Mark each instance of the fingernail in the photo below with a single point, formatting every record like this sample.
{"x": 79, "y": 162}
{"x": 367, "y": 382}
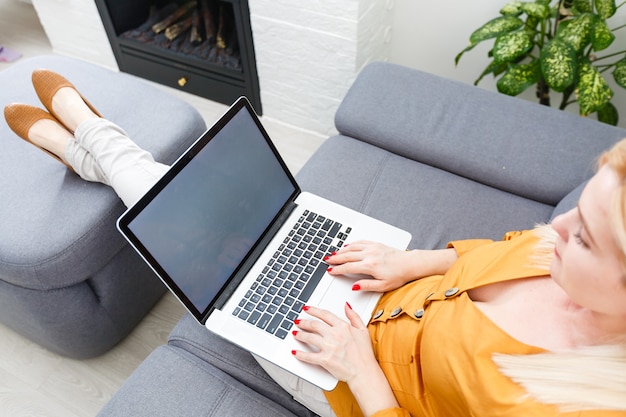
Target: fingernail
{"x": 356, "y": 287}
{"x": 326, "y": 258}
{"x": 295, "y": 332}
{"x": 296, "y": 321}
{"x": 305, "y": 308}
{"x": 349, "y": 306}
{"x": 333, "y": 254}
{"x": 329, "y": 270}
{"x": 293, "y": 352}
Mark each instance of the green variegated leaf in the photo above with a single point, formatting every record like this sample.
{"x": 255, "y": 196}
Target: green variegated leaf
{"x": 495, "y": 68}
{"x": 582, "y": 6}
{"x": 619, "y": 74}
{"x": 496, "y": 27}
{"x": 531, "y": 24}
{"x": 460, "y": 54}
{"x": 538, "y": 10}
{"x": 592, "y": 90}
{"x": 605, "y": 8}
{"x": 601, "y": 35}
{"x": 576, "y": 32}
{"x": 510, "y": 46}
{"x": 519, "y": 77}
{"x": 558, "y": 64}
{"x": 608, "y": 114}
{"x": 513, "y": 8}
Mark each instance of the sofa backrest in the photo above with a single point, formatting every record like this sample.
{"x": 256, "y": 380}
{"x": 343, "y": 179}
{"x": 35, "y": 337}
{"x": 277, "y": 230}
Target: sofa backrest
{"x": 504, "y": 142}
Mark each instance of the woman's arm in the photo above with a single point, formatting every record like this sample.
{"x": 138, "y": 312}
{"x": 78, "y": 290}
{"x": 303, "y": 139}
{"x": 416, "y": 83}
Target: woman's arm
{"x": 391, "y": 268}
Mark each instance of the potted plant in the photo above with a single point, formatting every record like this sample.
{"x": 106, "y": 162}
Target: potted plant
{"x": 555, "y": 47}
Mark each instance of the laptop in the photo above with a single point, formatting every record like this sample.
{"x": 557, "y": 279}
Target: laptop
{"x": 230, "y": 233}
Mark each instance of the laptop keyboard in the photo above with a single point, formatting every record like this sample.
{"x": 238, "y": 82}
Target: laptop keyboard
{"x": 278, "y": 294}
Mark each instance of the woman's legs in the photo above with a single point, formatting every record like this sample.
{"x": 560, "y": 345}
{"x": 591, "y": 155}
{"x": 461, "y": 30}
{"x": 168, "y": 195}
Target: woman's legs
{"x": 123, "y": 165}
{"x": 304, "y": 392}
{"x": 127, "y": 168}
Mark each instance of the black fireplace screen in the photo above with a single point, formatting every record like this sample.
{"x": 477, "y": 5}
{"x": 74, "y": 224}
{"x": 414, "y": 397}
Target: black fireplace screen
{"x": 201, "y": 46}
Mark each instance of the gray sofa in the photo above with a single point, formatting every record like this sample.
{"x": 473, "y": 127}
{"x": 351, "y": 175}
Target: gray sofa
{"x": 439, "y": 158}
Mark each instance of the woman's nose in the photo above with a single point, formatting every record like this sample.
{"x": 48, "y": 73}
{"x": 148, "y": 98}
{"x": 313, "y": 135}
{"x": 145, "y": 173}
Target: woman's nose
{"x": 560, "y": 223}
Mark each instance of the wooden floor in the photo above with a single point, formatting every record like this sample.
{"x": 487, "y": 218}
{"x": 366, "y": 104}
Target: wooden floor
{"x": 35, "y": 382}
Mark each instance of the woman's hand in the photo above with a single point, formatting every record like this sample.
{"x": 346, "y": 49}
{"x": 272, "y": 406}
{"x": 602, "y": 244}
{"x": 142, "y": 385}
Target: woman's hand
{"x": 345, "y": 350}
{"x": 343, "y": 347}
{"x": 391, "y": 268}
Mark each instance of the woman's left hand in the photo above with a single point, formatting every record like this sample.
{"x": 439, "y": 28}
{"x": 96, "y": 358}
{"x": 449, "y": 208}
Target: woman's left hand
{"x": 344, "y": 348}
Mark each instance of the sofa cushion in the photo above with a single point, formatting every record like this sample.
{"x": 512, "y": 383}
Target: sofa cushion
{"x": 434, "y": 205}
{"x": 510, "y": 144}
{"x": 172, "y": 382}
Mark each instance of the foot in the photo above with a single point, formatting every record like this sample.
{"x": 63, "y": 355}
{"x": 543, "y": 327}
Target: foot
{"x": 51, "y": 136}
{"x": 62, "y": 99}
{"x": 70, "y": 108}
{"x": 39, "y": 128}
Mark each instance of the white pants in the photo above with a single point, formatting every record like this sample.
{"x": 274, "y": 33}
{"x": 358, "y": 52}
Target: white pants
{"x": 103, "y": 152}
{"x": 307, "y": 394}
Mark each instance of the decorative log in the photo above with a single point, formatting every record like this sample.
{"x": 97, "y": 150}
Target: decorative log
{"x": 174, "y": 31}
{"x": 174, "y": 17}
{"x": 194, "y": 36}
{"x": 221, "y": 29}
{"x": 207, "y": 8}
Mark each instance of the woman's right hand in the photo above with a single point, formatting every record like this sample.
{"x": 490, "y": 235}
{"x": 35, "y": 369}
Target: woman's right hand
{"x": 390, "y": 268}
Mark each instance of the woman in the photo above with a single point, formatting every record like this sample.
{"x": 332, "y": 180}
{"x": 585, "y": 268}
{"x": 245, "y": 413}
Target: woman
{"x": 480, "y": 328}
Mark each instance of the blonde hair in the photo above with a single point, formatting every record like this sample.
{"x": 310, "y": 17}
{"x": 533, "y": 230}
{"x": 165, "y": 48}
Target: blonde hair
{"x": 586, "y": 378}
{"x": 589, "y": 378}
{"x": 616, "y": 159}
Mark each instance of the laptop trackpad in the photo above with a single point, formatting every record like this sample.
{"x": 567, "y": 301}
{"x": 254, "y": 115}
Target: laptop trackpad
{"x": 340, "y": 291}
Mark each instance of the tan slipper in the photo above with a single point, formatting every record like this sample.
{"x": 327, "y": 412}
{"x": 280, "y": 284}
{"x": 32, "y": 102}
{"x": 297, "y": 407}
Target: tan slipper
{"x": 47, "y": 83}
{"x": 21, "y": 117}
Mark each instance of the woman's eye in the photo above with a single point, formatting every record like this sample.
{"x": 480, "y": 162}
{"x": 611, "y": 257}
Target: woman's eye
{"x": 578, "y": 238}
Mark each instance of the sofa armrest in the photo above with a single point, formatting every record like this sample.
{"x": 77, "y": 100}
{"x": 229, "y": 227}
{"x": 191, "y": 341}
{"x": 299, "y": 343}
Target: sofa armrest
{"x": 511, "y": 144}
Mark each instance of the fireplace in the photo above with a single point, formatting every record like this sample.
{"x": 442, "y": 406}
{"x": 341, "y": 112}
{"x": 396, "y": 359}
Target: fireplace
{"x": 203, "y": 47}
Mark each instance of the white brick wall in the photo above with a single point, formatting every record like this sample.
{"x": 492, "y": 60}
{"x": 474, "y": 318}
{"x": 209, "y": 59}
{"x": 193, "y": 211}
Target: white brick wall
{"x": 308, "y": 53}
{"x": 74, "y": 28}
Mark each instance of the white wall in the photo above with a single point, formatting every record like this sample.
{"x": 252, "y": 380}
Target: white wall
{"x": 427, "y": 35}
{"x": 308, "y": 54}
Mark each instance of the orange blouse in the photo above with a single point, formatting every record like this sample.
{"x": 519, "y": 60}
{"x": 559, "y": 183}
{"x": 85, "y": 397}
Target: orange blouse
{"x": 435, "y": 346}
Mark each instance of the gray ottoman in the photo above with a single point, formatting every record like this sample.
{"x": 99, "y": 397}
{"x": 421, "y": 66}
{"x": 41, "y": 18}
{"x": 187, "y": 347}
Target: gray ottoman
{"x": 68, "y": 280}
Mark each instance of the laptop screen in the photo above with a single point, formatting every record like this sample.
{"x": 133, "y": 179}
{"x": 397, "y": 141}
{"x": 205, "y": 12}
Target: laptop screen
{"x": 198, "y": 224}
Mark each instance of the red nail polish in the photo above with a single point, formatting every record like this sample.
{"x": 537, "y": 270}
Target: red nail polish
{"x": 295, "y": 332}
{"x": 296, "y": 321}
{"x": 305, "y": 308}
{"x": 356, "y": 287}
{"x": 293, "y": 352}
{"x": 333, "y": 254}
{"x": 326, "y": 258}
{"x": 349, "y": 306}
{"x": 329, "y": 269}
